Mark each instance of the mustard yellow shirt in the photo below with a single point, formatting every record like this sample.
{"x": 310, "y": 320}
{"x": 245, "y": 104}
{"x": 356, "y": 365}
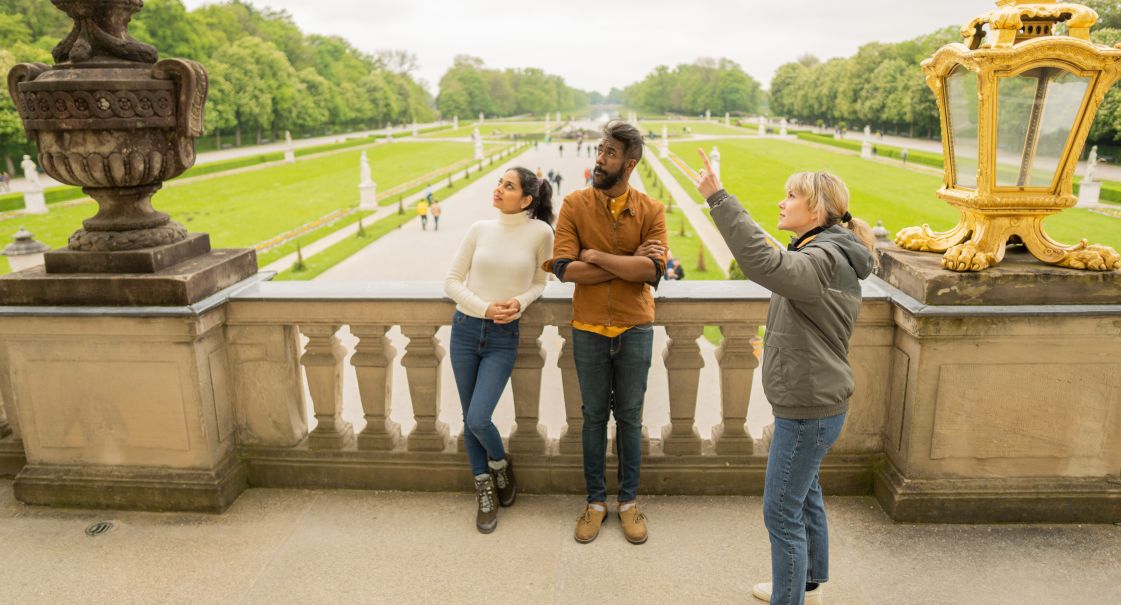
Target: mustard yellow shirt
{"x": 616, "y": 206}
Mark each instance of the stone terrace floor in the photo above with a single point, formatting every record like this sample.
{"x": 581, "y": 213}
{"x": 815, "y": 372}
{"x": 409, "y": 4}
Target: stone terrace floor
{"x": 292, "y": 546}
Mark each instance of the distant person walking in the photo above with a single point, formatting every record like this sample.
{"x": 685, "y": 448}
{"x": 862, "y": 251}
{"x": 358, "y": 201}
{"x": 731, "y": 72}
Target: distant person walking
{"x": 807, "y": 377}
{"x": 422, "y": 212}
{"x": 561, "y": 149}
{"x": 493, "y": 278}
{"x": 903, "y": 155}
{"x": 6, "y": 182}
{"x": 557, "y": 178}
{"x": 428, "y": 193}
{"x": 434, "y": 211}
{"x": 587, "y": 177}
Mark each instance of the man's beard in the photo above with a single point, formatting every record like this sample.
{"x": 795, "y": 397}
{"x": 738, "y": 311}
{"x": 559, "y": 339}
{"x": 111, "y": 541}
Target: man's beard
{"x": 603, "y": 180}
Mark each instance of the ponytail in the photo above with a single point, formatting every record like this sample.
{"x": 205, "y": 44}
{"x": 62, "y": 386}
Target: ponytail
{"x": 541, "y": 190}
{"x": 864, "y": 234}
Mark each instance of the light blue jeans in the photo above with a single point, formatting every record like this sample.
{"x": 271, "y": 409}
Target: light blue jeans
{"x": 793, "y": 508}
{"x": 483, "y": 355}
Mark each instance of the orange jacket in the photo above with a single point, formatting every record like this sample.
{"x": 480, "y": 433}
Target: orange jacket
{"x": 586, "y": 223}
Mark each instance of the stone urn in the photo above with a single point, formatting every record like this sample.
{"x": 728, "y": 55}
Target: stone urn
{"x": 111, "y": 119}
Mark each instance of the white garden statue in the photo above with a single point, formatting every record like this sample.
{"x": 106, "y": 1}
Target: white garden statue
{"x": 1091, "y": 164}
{"x": 30, "y": 172}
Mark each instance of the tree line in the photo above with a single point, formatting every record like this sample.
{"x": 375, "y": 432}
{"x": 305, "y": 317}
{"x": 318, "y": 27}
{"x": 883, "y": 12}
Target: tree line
{"x": 469, "y": 88}
{"x": 718, "y": 86}
{"x": 883, "y": 85}
{"x": 267, "y": 76}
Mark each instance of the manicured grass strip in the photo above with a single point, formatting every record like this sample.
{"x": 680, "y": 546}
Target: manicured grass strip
{"x": 493, "y": 129}
{"x": 925, "y": 158}
{"x": 677, "y": 129}
{"x": 756, "y": 172}
{"x": 316, "y": 265}
{"x": 276, "y": 253}
{"x": 241, "y": 210}
{"x": 684, "y": 243}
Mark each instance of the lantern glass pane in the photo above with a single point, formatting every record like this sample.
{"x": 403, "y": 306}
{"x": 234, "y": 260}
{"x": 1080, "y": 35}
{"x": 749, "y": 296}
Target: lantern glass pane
{"x": 1037, "y": 110}
{"x": 962, "y": 101}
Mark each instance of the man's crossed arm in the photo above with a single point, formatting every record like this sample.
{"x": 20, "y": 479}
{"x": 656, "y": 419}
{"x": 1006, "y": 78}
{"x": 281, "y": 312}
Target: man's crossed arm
{"x": 595, "y": 267}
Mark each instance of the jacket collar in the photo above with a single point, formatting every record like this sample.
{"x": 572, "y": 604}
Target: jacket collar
{"x": 806, "y": 238}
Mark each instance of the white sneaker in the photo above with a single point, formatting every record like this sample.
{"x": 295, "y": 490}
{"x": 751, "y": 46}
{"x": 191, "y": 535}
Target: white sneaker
{"x": 763, "y": 592}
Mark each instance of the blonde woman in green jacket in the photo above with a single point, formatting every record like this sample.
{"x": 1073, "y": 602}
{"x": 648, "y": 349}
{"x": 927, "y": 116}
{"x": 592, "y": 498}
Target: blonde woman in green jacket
{"x": 815, "y": 286}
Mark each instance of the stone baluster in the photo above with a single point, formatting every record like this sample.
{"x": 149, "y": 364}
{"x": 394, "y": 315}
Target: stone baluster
{"x": 571, "y": 439}
{"x": 373, "y": 363}
{"x": 683, "y": 366}
{"x": 323, "y": 362}
{"x": 528, "y": 436}
{"x": 737, "y": 364}
{"x": 423, "y": 356}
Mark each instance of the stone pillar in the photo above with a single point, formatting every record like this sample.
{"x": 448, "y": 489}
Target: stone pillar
{"x": 528, "y": 436}
{"x": 683, "y": 365}
{"x": 367, "y": 188}
{"x": 762, "y": 126}
{"x": 25, "y": 253}
{"x": 663, "y": 153}
{"x": 736, "y": 356}
{"x": 289, "y": 148}
{"x": 1089, "y": 194}
{"x": 782, "y": 128}
{"x": 455, "y": 122}
{"x": 373, "y": 363}
{"x": 34, "y": 202}
{"x": 271, "y": 410}
{"x": 323, "y": 363}
{"x": 423, "y": 356}
{"x": 727, "y": 119}
{"x": 572, "y": 438}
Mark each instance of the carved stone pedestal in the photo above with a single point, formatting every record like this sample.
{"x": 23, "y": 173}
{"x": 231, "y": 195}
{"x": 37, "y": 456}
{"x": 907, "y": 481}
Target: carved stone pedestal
{"x": 125, "y": 409}
{"x": 1003, "y": 407}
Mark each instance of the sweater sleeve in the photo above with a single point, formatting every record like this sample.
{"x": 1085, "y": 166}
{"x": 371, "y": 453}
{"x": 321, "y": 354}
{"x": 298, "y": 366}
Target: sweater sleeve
{"x": 455, "y": 284}
{"x": 544, "y": 252}
{"x": 798, "y": 276}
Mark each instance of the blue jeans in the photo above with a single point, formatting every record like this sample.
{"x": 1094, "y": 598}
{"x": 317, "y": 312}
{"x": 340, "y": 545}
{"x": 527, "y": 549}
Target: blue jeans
{"x": 612, "y": 374}
{"x": 483, "y": 354}
{"x": 793, "y": 509}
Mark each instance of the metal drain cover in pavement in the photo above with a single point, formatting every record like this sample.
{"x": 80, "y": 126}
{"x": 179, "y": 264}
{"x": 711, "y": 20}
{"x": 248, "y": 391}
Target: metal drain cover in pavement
{"x": 99, "y": 529}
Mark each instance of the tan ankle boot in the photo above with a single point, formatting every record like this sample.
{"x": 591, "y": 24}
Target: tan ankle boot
{"x": 587, "y": 526}
{"x": 634, "y": 525}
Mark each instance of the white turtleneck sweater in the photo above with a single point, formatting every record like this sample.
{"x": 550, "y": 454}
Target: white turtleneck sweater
{"x": 500, "y": 260}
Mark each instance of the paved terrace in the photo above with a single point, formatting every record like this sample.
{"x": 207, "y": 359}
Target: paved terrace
{"x": 290, "y": 546}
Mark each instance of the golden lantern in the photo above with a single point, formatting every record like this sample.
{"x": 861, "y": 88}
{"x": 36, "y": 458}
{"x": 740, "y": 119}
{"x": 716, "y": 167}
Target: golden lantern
{"x": 1016, "y": 104}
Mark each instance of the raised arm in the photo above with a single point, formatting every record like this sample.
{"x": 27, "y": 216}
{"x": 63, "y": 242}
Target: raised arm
{"x": 801, "y": 276}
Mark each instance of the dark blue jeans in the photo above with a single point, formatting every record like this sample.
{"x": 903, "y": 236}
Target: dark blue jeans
{"x": 612, "y": 374}
{"x": 483, "y": 354}
{"x": 793, "y": 508}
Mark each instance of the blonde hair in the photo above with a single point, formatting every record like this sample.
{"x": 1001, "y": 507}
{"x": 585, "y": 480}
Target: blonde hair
{"x": 825, "y": 191}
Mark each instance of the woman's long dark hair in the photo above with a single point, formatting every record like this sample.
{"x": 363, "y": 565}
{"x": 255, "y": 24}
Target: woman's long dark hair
{"x": 541, "y": 208}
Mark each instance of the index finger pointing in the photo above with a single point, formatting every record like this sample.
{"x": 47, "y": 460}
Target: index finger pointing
{"x": 704, "y": 158}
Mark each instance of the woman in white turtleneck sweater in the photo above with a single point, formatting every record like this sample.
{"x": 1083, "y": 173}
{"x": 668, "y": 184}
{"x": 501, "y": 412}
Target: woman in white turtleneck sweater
{"x": 495, "y": 275}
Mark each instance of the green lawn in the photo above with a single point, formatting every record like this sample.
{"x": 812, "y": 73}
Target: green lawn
{"x": 492, "y": 129}
{"x": 756, "y": 171}
{"x": 244, "y": 209}
{"x": 674, "y": 129}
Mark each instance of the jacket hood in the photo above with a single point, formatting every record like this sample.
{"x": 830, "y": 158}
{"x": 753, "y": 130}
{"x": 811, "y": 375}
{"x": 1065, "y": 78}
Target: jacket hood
{"x": 859, "y": 257}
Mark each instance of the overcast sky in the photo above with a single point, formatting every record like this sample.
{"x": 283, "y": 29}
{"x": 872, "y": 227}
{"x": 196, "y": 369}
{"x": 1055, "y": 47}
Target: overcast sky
{"x": 597, "y": 44}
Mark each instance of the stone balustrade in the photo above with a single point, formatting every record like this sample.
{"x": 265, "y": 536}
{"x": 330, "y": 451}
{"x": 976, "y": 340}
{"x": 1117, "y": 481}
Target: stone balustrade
{"x": 680, "y": 458}
{"x": 955, "y": 417}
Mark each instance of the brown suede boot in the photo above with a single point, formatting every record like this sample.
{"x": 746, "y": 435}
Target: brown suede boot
{"x": 587, "y": 526}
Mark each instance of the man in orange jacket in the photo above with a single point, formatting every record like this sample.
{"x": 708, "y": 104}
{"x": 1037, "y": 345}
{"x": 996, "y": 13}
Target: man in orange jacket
{"x": 611, "y": 242}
